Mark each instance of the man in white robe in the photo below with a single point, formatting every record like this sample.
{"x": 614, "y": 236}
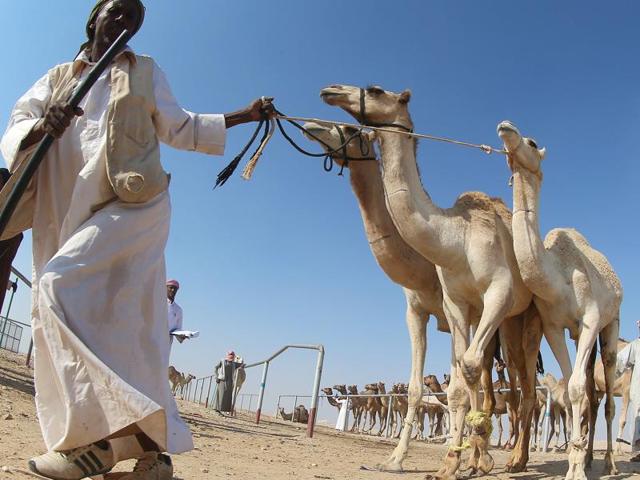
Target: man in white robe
{"x": 99, "y": 311}
{"x": 629, "y": 357}
{"x": 174, "y": 310}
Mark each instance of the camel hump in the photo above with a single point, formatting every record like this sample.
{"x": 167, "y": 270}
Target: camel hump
{"x": 569, "y": 245}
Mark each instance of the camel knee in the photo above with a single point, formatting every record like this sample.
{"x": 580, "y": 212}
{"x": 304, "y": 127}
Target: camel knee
{"x": 577, "y": 389}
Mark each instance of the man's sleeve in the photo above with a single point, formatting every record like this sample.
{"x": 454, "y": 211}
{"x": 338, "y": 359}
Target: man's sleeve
{"x": 184, "y": 130}
{"x": 28, "y": 110}
{"x": 624, "y": 359}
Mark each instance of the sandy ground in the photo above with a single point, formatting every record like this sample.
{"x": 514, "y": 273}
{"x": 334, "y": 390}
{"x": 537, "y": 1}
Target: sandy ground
{"x": 237, "y": 448}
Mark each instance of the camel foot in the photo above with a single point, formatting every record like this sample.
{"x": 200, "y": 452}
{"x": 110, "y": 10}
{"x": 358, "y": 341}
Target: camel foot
{"x": 609, "y": 465}
{"x": 577, "y": 457}
{"x": 448, "y": 470}
{"x": 391, "y": 465}
{"x": 517, "y": 463}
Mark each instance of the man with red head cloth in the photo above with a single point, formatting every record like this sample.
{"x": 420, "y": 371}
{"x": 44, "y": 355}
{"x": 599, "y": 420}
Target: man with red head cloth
{"x": 100, "y": 211}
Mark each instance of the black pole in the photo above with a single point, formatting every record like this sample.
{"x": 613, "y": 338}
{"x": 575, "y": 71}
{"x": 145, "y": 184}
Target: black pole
{"x": 34, "y": 161}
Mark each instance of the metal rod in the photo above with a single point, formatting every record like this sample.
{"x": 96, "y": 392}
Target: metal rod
{"x": 262, "y": 384}
{"x": 206, "y": 404}
{"x": 547, "y": 419}
{"x": 6, "y": 316}
{"x": 314, "y": 397}
{"x": 293, "y": 412}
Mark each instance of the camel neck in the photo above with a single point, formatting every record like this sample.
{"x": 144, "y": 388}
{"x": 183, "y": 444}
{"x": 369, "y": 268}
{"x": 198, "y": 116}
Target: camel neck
{"x": 422, "y": 224}
{"x": 535, "y": 263}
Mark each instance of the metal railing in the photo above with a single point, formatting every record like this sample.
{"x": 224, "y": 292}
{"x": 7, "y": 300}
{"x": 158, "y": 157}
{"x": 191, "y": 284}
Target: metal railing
{"x": 542, "y": 446}
{"x": 11, "y": 331}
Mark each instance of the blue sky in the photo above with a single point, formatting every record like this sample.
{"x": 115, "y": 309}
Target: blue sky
{"x": 283, "y": 258}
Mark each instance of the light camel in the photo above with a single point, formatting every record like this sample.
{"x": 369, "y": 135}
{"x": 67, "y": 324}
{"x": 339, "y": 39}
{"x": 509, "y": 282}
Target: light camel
{"x": 503, "y": 407}
{"x": 560, "y": 408}
{"x": 472, "y": 247}
{"x": 384, "y": 407}
{"x": 401, "y": 263}
{"x": 620, "y": 389}
{"x": 575, "y": 288}
{"x": 373, "y": 406}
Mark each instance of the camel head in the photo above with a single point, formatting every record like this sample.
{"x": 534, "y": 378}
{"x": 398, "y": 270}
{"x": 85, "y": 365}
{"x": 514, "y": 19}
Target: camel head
{"x": 371, "y": 386}
{"x": 381, "y": 387}
{"x": 341, "y": 388}
{"x": 431, "y": 382}
{"x": 380, "y": 106}
{"x": 353, "y": 389}
{"x": 332, "y": 137}
{"x": 548, "y": 380}
{"x": 189, "y": 377}
{"x": 522, "y": 152}
{"x": 500, "y": 366}
{"x": 328, "y": 391}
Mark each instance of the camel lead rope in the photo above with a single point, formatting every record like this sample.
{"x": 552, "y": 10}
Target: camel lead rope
{"x": 253, "y": 161}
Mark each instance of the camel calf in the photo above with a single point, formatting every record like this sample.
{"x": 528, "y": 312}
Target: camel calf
{"x": 178, "y": 380}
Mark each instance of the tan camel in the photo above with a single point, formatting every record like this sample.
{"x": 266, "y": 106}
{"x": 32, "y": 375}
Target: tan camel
{"x": 472, "y": 246}
{"x": 503, "y": 407}
{"x": 328, "y": 391}
{"x": 401, "y": 264}
{"x": 300, "y": 414}
{"x": 574, "y": 288}
{"x": 384, "y": 407}
{"x": 358, "y": 408}
{"x": 372, "y": 407}
{"x": 399, "y": 410}
{"x": 620, "y": 389}
{"x": 178, "y": 379}
{"x": 560, "y": 407}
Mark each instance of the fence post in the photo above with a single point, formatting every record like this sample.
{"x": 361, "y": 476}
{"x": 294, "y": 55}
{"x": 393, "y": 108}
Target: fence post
{"x": 293, "y": 412}
{"x": 278, "y": 407}
{"x": 206, "y": 403}
{"x": 314, "y": 398}
{"x": 14, "y": 287}
{"x": 547, "y": 418}
{"x": 386, "y": 433}
{"x": 261, "y": 397}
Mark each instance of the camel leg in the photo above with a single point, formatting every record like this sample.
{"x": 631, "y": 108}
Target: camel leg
{"x": 608, "y": 353}
{"x": 497, "y": 301}
{"x": 577, "y": 391}
{"x": 513, "y": 402}
{"x": 417, "y": 326}
{"x": 499, "y": 419}
{"x": 622, "y": 422}
{"x": 555, "y": 339}
{"x": 594, "y": 403}
{"x": 531, "y": 327}
{"x": 458, "y": 405}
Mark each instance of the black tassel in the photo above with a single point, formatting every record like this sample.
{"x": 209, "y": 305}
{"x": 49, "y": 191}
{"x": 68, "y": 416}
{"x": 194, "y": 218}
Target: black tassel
{"x": 227, "y": 171}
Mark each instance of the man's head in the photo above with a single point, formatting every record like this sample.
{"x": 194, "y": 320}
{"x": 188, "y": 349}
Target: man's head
{"x": 172, "y": 289}
{"x": 109, "y": 18}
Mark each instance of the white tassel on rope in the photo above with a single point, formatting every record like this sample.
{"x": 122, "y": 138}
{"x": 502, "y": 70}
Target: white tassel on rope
{"x": 253, "y": 161}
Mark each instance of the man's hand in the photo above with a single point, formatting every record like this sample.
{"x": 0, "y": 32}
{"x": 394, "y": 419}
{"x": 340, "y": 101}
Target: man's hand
{"x": 261, "y": 108}
{"x": 56, "y": 120}
{"x": 256, "y": 111}
{"x": 58, "y": 117}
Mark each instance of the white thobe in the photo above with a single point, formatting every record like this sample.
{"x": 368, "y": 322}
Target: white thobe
{"x": 175, "y": 317}
{"x": 629, "y": 357}
{"x": 343, "y": 416}
{"x": 99, "y": 312}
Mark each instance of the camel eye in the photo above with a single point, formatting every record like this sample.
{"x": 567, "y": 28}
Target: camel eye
{"x": 531, "y": 142}
{"x": 375, "y": 90}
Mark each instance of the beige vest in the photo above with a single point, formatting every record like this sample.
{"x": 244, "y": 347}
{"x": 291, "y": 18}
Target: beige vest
{"x": 132, "y": 149}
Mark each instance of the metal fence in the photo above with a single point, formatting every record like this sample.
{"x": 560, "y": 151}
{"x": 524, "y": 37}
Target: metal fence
{"x": 203, "y": 391}
{"x": 11, "y": 334}
{"x": 542, "y": 446}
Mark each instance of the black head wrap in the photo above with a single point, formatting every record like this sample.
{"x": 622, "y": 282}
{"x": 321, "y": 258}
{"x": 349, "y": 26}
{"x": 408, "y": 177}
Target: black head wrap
{"x": 96, "y": 10}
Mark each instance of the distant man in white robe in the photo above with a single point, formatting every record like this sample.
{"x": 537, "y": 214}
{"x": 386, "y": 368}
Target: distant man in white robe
{"x": 99, "y": 311}
{"x": 174, "y": 310}
{"x": 629, "y": 357}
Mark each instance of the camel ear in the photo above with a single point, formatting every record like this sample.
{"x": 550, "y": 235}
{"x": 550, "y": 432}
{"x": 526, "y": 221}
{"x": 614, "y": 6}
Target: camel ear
{"x": 543, "y": 152}
{"x": 405, "y": 96}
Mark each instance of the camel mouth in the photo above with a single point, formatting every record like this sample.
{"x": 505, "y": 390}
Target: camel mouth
{"x": 507, "y": 127}
{"x": 330, "y": 95}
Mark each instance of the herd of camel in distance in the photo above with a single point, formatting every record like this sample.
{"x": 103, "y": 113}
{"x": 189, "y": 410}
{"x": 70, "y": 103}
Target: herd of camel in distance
{"x": 489, "y": 278}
